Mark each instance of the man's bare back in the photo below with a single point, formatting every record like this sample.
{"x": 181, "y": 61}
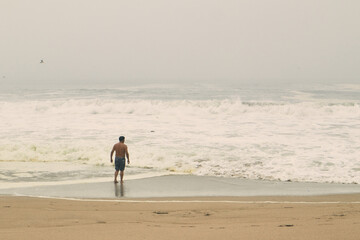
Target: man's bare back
{"x": 120, "y": 149}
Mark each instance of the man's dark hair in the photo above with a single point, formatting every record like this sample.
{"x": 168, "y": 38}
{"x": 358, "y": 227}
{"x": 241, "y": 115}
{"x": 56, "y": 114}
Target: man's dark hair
{"x": 121, "y": 138}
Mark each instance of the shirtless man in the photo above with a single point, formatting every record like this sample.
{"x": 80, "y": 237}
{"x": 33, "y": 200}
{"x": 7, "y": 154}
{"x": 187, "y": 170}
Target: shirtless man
{"x": 121, "y": 151}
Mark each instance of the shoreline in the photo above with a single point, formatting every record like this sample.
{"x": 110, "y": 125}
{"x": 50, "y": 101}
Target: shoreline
{"x": 351, "y": 198}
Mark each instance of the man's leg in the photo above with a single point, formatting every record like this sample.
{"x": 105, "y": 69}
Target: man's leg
{"x": 115, "y": 177}
{"x": 121, "y": 175}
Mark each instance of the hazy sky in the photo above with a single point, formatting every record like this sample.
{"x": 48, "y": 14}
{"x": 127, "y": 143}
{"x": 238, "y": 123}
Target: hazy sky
{"x": 85, "y": 41}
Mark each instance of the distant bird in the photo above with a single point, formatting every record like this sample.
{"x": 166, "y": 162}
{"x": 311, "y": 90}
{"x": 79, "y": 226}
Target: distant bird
{"x": 42, "y": 61}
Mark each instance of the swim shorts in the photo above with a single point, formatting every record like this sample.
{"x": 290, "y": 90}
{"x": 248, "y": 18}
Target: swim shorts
{"x": 119, "y": 163}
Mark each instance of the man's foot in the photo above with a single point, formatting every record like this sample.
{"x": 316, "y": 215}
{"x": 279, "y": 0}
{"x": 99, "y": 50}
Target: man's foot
{"x": 115, "y": 181}
{"x": 122, "y": 181}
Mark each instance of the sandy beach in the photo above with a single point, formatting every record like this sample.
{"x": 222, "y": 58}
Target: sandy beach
{"x": 311, "y": 217}
{"x": 181, "y": 207}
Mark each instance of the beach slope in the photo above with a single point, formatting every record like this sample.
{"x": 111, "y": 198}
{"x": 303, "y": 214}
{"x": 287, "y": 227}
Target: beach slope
{"x": 317, "y": 217}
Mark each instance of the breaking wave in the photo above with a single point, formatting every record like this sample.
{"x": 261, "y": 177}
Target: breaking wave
{"x": 276, "y": 140}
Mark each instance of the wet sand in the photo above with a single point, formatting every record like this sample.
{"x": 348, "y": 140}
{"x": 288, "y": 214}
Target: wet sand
{"x": 306, "y": 217}
{"x": 182, "y": 186}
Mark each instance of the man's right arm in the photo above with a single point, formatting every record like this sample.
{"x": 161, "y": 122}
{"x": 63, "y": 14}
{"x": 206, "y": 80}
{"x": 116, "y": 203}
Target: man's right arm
{"x": 111, "y": 154}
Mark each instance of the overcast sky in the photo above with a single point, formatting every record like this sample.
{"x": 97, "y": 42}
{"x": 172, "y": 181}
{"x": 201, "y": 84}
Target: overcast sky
{"x": 86, "y": 41}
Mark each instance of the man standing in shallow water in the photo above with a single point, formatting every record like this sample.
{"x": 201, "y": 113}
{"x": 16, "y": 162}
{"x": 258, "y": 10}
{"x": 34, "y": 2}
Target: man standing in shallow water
{"x": 121, "y": 151}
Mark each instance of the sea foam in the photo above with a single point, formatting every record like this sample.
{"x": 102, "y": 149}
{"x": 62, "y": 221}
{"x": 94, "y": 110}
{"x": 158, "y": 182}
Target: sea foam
{"x": 298, "y": 140}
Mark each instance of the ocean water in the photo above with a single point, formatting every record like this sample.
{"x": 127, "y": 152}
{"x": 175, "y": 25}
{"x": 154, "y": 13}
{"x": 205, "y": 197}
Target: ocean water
{"x": 303, "y": 133}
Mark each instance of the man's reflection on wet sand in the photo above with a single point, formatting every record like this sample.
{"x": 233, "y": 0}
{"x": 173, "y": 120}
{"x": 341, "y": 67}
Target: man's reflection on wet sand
{"x": 119, "y": 190}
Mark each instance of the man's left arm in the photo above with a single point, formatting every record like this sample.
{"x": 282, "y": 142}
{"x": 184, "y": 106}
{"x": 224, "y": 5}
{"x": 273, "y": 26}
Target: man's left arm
{"x": 127, "y": 155}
